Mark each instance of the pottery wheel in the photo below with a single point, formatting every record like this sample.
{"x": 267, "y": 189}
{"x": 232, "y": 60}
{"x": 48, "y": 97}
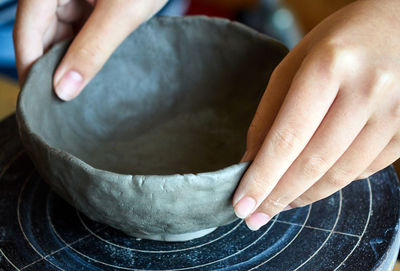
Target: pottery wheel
{"x": 354, "y": 229}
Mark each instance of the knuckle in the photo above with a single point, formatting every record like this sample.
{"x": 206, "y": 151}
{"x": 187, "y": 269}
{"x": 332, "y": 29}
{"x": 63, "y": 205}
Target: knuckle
{"x": 256, "y": 185}
{"x": 384, "y": 76}
{"x": 339, "y": 173}
{"x": 381, "y": 79}
{"x": 284, "y": 140}
{"x": 314, "y": 166}
{"x": 338, "y": 177}
{"x": 272, "y": 206}
{"x": 257, "y": 190}
{"x": 90, "y": 55}
{"x": 334, "y": 55}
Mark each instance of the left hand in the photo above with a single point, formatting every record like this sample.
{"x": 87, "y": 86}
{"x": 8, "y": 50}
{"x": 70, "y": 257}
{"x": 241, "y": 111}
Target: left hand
{"x": 97, "y": 28}
{"x": 330, "y": 113}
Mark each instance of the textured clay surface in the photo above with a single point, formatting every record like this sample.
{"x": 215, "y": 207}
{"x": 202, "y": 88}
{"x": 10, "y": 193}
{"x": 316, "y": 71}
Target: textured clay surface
{"x": 151, "y": 146}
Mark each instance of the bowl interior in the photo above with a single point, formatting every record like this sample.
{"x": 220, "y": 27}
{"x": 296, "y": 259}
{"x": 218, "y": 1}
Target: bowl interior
{"x": 176, "y": 97}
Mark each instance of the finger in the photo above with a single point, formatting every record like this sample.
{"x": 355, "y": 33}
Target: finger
{"x": 372, "y": 142}
{"x": 347, "y": 117}
{"x": 271, "y": 101}
{"x": 57, "y": 32}
{"x": 388, "y": 156}
{"x": 32, "y": 19}
{"x": 365, "y": 148}
{"x": 72, "y": 10}
{"x": 302, "y": 111}
{"x": 49, "y": 33}
{"x": 340, "y": 127}
{"x": 64, "y": 31}
{"x": 109, "y": 24}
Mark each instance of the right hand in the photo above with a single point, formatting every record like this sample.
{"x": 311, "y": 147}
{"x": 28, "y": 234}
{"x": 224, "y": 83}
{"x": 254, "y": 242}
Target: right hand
{"x": 98, "y": 27}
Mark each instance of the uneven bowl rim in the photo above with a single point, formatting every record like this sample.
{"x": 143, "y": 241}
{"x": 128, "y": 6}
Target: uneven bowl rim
{"x": 66, "y": 156}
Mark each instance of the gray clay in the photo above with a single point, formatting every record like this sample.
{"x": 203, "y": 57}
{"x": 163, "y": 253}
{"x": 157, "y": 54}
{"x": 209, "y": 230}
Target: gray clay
{"x": 151, "y": 146}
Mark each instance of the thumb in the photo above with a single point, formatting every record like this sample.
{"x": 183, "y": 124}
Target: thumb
{"x": 109, "y": 24}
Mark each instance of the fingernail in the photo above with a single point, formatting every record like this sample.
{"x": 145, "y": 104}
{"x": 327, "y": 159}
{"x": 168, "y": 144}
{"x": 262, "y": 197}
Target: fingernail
{"x": 68, "y": 86}
{"x": 257, "y": 220}
{"x": 245, "y": 207}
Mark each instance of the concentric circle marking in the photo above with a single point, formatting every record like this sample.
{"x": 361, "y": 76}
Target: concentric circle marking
{"x": 128, "y": 268}
{"x": 10, "y": 163}
{"x": 2, "y": 173}
{"x": 22, "y": 228}
{"x": 158, "y": 251}
{"x": 184, "y": 268}
{"x": 27, "y": 190}
{"x": 329, "y": 235}
{"x": 231, "y": 230}
{"x": 8, "y": 260}
{"x": 291, "y": 241}
{"x": 365, "y": 227}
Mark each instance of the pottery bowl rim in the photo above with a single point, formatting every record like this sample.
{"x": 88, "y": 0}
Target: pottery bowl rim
{"x": 66, "y": 171}
{"x": 65, "y": 155}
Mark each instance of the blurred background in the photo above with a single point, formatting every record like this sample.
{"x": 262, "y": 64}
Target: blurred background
{"x": 268, "y": 16}
{"x": 285, "y": 20}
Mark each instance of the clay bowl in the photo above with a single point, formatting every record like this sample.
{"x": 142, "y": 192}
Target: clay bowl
{"x": 151, "y": 146}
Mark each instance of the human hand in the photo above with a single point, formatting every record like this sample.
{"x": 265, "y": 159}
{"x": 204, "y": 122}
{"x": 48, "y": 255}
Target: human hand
{"x": 100, "y": 26}
{"x": 330, "y": 113}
